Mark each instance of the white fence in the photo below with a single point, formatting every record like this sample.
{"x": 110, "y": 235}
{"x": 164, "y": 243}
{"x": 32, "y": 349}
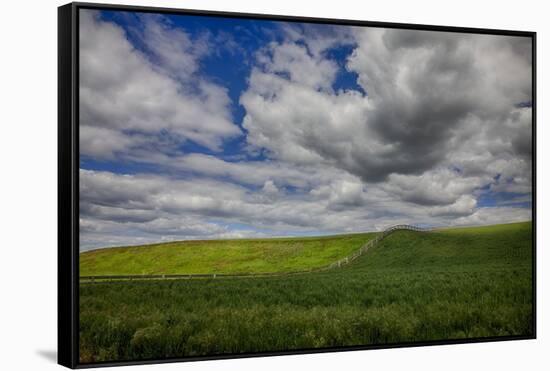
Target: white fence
{"x": 373, "y": 242}
{"x": 337, "y": 264}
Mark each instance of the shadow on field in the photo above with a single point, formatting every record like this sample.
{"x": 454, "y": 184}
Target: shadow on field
{"x": 50, "y": 355}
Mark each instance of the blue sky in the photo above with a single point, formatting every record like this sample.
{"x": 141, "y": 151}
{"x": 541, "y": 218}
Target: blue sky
{"x": 208, "y": 127}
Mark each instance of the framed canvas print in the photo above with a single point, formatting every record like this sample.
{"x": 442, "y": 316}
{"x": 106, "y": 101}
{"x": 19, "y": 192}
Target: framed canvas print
{"x": 236, "y": 185}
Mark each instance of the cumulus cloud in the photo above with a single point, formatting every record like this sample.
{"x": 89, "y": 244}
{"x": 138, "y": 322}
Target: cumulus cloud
{"x": 433, "y": 98}
{"x": 463, "y": 206}
{"x": 204, "y": 208}
{"x": 128, "y": 98}
{"x": 494, "y": 215}
{"x": 318, "y": 38}
{"x": 441, "y": 186}
{"x": 341, "y": 194}
{"x": 258, "y": 172}
{"x": 146, "y": 207}
{"x": 293, "y": 60}
{"x": 172, "y": 48}
{"x": 294, "y": 121}
{"x": 431, "y": 124}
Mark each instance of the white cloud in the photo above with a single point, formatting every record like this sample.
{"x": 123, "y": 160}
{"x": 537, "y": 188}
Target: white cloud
{"x": 463, "y": 206}
{"x": 440, "y": 186}
{"x": 495, "y": 215}
{"x": 434, "y": 99}
{"x": 438, "y": 127}
{"x": 155, "y": 206}
{"x": 341, "y": 194}
{"x": 298, "y": 124}
{"x": 301, "y": 67}
{"x": 124, "y": 92}
{"x": 172, "y": 47}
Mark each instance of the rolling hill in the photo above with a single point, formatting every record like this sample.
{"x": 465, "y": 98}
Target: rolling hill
{"x": 449, "y": 284}
{"x": 222, "y": 256}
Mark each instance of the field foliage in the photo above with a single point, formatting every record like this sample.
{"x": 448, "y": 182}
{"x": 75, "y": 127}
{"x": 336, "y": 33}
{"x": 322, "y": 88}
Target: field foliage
{"x": 449, "y": 284}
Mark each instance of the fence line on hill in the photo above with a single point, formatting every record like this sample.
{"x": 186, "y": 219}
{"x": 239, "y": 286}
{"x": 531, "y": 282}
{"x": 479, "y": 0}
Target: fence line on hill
{"x": 363, "y": 249}
{"x": 337, "y": 264}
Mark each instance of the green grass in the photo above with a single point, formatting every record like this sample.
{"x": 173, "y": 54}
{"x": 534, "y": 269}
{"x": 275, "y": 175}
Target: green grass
{"x": 450, "y": 284}
{"x": 222, "y": 256}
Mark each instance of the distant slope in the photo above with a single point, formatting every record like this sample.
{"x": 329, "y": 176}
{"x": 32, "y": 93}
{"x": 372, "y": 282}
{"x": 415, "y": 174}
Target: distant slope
{"x": 222, "y": 256}
{"x": 453, "y": 248}
{"x": 495, "y": 246}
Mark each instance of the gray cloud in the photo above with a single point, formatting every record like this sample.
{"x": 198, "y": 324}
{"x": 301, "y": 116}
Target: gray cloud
{"x": 423, "y": 88}
{"x": 439, "y": 125}
{"x": 195, "y": 207}
{"x": 148, "y": 207}
{"x": 440, "y": 186}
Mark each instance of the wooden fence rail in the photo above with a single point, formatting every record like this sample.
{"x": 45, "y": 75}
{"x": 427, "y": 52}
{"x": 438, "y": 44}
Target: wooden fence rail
{"x": 337, "y": 264}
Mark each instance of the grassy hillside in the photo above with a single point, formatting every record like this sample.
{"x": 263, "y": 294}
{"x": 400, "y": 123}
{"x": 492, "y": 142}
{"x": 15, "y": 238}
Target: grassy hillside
{"x": 450, "y": 284}
{"x": 222, "y": 256}
{"x": 460, "y": 249}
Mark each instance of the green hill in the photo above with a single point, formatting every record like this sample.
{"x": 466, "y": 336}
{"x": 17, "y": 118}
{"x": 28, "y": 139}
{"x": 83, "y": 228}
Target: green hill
{"x": 222, "y": 256}
{"x": 462, "y": 249}
{"x": 413, "y": 286}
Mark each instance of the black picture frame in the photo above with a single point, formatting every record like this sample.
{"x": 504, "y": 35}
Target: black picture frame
{"x": 68, "y": 180}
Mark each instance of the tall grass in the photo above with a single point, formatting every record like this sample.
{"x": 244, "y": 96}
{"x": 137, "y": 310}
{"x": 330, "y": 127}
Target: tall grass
{"x": 451, "y": 284}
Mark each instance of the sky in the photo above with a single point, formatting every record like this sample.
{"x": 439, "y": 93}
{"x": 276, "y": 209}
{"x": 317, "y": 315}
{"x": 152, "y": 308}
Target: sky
{"x": 195, "y": 127}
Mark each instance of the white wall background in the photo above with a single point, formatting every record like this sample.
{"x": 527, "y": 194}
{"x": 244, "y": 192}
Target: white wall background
{"x": 28, "y": 182}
